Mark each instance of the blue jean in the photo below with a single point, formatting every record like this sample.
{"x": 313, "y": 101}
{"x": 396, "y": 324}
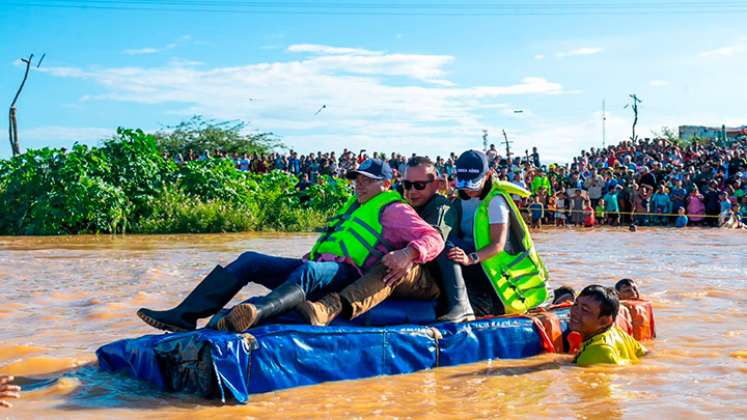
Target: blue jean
{"x": 315, "y": 278}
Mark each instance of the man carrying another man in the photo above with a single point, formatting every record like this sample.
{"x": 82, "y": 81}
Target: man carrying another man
{"x": 490, "y": 263}
{"x": 421, "y": 185}
{"x": 374, "y": 226}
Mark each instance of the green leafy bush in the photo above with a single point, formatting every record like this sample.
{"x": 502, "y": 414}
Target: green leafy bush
{"x": 174, "y": 211}
{"x": 126, "y": 185}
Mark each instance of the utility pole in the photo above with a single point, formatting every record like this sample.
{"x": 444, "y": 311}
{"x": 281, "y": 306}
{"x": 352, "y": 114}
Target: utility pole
{"x": 13, "y": 125}
{"x": 634, "y": 106}
{"x": 604, "y": 125}
{"x": 508, "y": 147}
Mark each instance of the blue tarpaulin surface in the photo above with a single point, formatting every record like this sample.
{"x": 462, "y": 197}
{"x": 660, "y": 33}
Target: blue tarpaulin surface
{"x": 278, "y": 356}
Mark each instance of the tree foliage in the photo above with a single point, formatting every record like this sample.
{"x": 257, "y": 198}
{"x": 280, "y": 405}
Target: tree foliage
{"x": 126, "y": 185}
{"x": 199, "y": 134}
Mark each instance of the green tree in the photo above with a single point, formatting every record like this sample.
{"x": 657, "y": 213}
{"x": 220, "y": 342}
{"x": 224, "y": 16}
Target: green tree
{"x": 199, "y": 134}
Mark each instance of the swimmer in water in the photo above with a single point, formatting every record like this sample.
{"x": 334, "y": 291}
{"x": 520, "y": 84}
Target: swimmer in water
{"x": 593, "y": 317}
{"x": 563, "y": 294}
{"x": 7, "y": 390}
{"x": 627, "y": 289}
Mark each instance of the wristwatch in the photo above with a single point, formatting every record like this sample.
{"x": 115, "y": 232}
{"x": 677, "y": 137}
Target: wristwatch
{"x": 474, "y": 258}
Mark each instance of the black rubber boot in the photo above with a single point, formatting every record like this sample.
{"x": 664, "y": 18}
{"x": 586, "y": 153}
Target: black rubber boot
{"x": 454, "y": 290}
{"x": 248, "y": 314}
{"x": 215, "y": 290}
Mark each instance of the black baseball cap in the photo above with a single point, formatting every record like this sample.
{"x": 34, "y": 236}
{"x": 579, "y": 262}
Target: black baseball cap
{"x": 372, "y": 168}
{"x": 471, "y": 168}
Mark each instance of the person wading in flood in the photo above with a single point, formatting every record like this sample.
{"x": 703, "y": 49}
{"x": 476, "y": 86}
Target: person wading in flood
{"x": 375, "y": 225}
{"x": 593, "y": 317}
{"x": 421, "y": 185}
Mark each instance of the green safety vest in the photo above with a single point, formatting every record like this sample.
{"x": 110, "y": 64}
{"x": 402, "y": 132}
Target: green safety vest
{"x": 355, "y": 231}
{"x": 517, "y": 274}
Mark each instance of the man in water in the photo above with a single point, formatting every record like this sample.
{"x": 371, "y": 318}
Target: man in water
{"x": 627, "y": 289}
{"x": 373, "y": 226}
{"x": 421, "y": 185}
{"x": 563, "y": 294}
{"x": 593, "y": 317}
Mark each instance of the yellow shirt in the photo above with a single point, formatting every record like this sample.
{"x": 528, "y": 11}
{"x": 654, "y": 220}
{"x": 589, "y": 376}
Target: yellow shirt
{"x": 613, "y": 346}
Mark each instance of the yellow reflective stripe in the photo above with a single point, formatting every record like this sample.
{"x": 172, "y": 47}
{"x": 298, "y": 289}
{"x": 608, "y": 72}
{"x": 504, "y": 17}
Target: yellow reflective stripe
{"x": 363, "y": 242}
{"x": 380, "y": 238}
{"x": 522, "y": 256}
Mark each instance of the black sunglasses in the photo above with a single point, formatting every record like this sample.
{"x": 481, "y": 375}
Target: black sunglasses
{"x": 419, "y": 185}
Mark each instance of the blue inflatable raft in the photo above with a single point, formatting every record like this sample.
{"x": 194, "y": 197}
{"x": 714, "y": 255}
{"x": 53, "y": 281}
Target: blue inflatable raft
{"x": 278, "y": 356}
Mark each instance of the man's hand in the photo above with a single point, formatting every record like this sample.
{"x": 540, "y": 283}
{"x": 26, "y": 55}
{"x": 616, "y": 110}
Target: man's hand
{"x": 458, "y": 255}
{"x": 8, "y": 391}
{"x": 398, "y": 264}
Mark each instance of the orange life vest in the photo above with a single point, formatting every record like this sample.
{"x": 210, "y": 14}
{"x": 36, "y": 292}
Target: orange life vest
{"x": 642, "y": 314}
{"x": 549, "y": 329}
{"x": 635, "y": 317}
{"x": 624, "y": 320}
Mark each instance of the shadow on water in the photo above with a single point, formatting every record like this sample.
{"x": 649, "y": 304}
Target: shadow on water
{"x": 99, "y": 390}
{"x": 509, "y": 370}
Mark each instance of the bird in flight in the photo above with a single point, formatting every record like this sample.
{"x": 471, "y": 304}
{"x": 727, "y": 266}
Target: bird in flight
{"x": 320, "y": 110}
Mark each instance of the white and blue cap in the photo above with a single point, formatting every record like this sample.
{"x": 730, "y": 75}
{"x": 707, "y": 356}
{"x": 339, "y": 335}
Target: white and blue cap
{"x": 372, "y": 168}
{"x": 471, "y": 168}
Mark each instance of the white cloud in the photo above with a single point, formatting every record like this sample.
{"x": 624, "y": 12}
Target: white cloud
{"x": 155, "y": 50}
{"x": 385, "y": 100}
{"x": 326, "y": 49}
{"x": 141, "y": 51}
{"x": 579, "y": 51}
{"x": 539, "y": 56}
{"x": 725, "y": 51}
{"x": 658, "y": 83}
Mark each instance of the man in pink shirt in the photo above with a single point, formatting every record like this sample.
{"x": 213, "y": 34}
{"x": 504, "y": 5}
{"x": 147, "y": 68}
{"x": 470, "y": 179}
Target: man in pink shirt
{"x": 421, "y": 185}
{"x": 405, "y": 239}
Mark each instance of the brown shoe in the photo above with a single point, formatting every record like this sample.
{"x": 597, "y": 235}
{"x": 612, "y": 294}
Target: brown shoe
{"x": 323, "y": 311}
{"x": 240, "y": 318}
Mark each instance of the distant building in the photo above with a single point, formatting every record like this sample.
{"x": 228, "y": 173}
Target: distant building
{"x": 732, "y": 133}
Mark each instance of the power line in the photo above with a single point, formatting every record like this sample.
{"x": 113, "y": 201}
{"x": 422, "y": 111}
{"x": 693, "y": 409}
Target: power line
{"x": 399, "y": 9}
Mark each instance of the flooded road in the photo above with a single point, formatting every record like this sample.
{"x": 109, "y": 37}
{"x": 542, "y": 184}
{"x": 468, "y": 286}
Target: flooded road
{"x": 62, "y": 298}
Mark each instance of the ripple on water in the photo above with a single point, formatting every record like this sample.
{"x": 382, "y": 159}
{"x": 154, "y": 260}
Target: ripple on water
{"x": 13, "y": 351}
{"x": 41, "y": 365}
{"x": 60, "y": 387}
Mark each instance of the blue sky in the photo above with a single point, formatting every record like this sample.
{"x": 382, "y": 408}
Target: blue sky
{"x": 392, "y": 80}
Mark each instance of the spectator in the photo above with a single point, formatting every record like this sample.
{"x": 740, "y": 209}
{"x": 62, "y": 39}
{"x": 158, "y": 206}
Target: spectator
{"x": 681, "y": 218}
{"x": 612, "y": 206}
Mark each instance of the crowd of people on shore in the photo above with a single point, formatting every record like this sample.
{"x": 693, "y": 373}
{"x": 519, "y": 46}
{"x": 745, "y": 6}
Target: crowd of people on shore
{"x": 647, "y": 182}
{"x": 643, "y": 183}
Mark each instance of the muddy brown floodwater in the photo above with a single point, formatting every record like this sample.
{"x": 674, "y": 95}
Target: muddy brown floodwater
{"x": 61, "y": 298}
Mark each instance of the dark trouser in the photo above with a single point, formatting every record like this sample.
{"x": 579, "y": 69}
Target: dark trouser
{"x": 481, "y": 294}
{"x": 315, "y": 278}
{"x": 712, "y": 217}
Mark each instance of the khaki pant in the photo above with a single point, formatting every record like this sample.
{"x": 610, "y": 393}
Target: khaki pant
{"x": 369, "y": 290}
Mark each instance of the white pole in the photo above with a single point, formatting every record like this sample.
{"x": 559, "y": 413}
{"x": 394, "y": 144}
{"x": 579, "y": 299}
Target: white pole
{"x": 604, "y": 124}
